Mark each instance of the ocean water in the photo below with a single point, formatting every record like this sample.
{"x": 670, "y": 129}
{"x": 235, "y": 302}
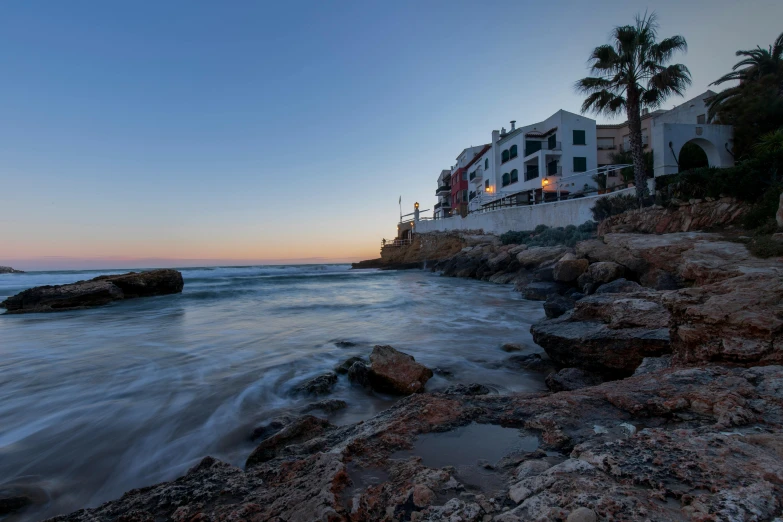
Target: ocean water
{"x": 96, "y": 402}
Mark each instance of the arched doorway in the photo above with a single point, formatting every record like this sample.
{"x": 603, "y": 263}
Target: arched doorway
{"x": 692, "y": 156}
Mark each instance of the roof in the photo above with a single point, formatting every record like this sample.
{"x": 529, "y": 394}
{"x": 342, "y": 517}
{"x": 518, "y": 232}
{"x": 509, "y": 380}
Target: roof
{"x": 537, "y": 134}
{"x": 477, "y": 156}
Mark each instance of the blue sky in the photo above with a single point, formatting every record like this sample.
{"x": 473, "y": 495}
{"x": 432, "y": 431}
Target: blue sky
{"x": 248, "y": 131}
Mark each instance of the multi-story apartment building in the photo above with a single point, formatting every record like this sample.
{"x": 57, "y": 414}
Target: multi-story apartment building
{"x": 524, "y": 164}
{"x": 459, "y": 179}
{"x": 442, "y": 208}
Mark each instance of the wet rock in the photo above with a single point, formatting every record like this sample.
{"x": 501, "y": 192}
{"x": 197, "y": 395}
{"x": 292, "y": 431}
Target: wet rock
{"x": 654, "y": 364}
{"x": 539, "y": 291}
{"x": 569, "y": 379}
{"x": 344, "y": 366}
{"x": 359, "y": 373}
{"x": 512, "y": 347}
{"x": 619, "y": 286}
{"x": 499, "y": 261}
{"x": 320, "y": 385}
{"x": 533, "y": 362}
{"x": 535, "y": 256}
{"x": 301, "y": 430}
{"x": 271, "y": 427}
{"x": 556, "y": 305}
{"x": 569, "y": 270}
{"x": 11, "y": 503}
{"x": 95, "y": 292}
{"x": 393, "y": 371}
{"x": 344, "y": 344}
{"x": 711, "y": 443}
{"x": 467, "y": 389}
{"x": 544, "y": 274}
{"x": 327, "y": 406}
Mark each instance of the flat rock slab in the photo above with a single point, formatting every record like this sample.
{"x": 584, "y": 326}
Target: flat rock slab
{"x": 95, "y": 292}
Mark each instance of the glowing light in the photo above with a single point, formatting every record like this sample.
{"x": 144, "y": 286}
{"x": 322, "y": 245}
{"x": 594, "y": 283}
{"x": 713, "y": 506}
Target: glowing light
{"x": 416, "y": 205}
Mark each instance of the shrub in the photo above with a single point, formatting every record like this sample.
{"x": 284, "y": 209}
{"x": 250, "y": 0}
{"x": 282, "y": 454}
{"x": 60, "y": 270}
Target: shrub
{"x": 548, "y": 236}
{"x": 613, "y": 205}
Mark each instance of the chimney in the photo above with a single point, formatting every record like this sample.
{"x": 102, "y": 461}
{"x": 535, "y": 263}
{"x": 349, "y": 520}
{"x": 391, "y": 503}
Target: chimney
{"x": 513, "y": 124}
{"x": 495, "y": 136}
{"x": 502, "y": 131}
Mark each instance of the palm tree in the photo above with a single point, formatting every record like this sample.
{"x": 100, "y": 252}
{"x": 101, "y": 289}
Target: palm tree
{"x": 631, "y": 74}
{"x": 757, "y": 65}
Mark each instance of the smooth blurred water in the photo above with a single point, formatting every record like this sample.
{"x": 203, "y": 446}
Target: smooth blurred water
{"x": 96, "y": 402}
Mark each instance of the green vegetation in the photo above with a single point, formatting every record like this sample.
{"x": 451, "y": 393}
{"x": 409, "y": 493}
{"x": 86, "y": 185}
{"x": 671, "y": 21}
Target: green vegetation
{"x": 755, "y": 105}
{"x": 548, "y": 236}
{"x": 613, "y": 205}
{"x": 626, "y": 158}
{"x": 631, "y": 74}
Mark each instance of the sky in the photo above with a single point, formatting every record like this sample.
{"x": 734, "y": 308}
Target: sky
{"x": 187, "y": 132}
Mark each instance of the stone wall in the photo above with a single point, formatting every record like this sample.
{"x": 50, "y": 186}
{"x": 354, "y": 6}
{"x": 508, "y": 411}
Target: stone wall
{"x": 685, "y": 217}
{"x": 555, "y": 214}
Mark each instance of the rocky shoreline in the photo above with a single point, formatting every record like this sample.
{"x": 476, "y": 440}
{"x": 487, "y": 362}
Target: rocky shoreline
{"x": 666, "y": 365}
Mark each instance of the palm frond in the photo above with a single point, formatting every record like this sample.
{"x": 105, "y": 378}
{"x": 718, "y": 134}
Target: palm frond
{"x": 603, "y": 102}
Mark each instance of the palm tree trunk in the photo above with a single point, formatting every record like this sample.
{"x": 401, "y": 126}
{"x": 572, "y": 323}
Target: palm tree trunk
{"x": 635, "y": 137}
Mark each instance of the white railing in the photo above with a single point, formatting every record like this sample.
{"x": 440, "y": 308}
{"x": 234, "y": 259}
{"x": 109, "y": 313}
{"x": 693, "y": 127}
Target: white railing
{"x": 584, "y": 180}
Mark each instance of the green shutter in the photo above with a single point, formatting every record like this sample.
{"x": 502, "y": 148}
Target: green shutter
{"x": 580, "y": 164}
{"x": 552, "y": 142}
{"x": 514, "y": 176}
{"x": 513, "y": 151}
{"x": 579, "y": 137}
{"x": 486, "y": 163}
{"x": 504, "y": 155}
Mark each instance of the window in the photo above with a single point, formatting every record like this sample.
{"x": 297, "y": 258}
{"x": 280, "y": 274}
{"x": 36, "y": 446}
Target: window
{"x": 605, "y": 143}
{"x": 513, "y": 152}
{"x": 465, "y": 195}
{"x": 580, "y": 164}
{"x": 531, "y": 172}
{"x": 701, "y": 119}
{"x": 531, "y": 147}
{"x": 551, "y": 168}
{"x": 465, "y": 175}
{"x": 552, "y": 142}
{"x": 505, "y": 179}
{"x": 504, "y": 156}
{"x": 579, "y": 137}
{"x": 486, "y": 183}
{"x": 514, "y": 176}
{"x": 486, "y": 163}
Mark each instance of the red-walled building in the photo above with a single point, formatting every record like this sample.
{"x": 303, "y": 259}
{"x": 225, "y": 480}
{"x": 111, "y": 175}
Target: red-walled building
{"x": 459, "y": 178}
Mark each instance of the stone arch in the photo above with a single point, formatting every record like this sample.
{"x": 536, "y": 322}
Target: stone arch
{"x": 669, "y": 138}
{"x": 694, "y": 154}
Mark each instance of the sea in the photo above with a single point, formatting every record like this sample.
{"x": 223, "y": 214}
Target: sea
{"x": 96, "y": 402}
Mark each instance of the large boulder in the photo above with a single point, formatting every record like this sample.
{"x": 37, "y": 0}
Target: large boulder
{"x": 619, "y": 286}
{"x": 556, "y": 305}
{"x": 319, "y": 385}
{"x": 568, "y": 270}
{"x": 393, "y": 371}
{"x": 95, "y": 292}
{"x": 736, "y": 321}
{"x": 536, "y": 256}
{"x": 608, "y": 334}
{"x": 541, "y": 290}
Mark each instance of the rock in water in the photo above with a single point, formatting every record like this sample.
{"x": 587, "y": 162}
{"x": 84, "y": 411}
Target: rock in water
{"x": 299, "y": 431}
{"x": 9, "y": 270}
{"x": 95, "y": 292}
{"x": 320, "y": 385}
{"x": 396, "y": 372}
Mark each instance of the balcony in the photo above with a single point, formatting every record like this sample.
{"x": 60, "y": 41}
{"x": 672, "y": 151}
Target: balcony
{"x": 545, "y": 145}
{"x": 477, "y": 175}
{"x": 443, "y": 190}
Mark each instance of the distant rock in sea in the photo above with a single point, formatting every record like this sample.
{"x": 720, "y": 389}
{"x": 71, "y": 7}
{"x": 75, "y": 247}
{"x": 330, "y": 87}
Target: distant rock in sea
{"x": 9, "y": 270}
{"x": 95, "y": 292}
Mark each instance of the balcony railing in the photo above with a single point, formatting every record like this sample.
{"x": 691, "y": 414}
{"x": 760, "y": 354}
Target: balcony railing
{"x": 554, "y": 171}
{"x": 443, "y": 188}
{"x": 545, "y": 145}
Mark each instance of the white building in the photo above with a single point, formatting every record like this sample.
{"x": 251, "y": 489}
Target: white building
{"x": 525, "y": 164}
{"x": 442, "y": 208}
